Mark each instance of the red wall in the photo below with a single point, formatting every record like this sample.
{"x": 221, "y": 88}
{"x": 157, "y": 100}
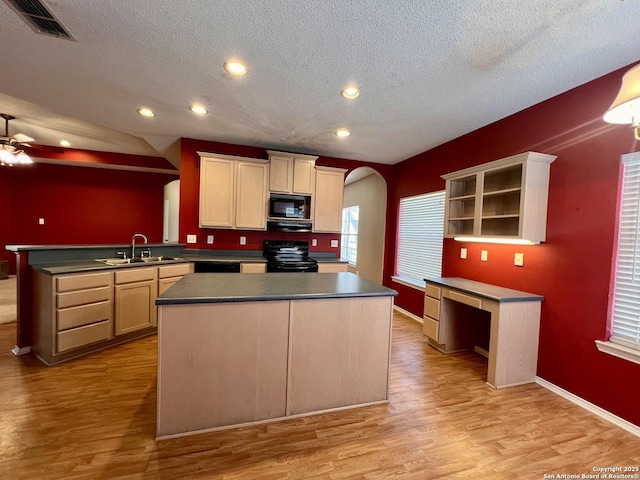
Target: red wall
{"x": 225, "y": 239}
{"x": 573, "y": 268}
{"x": 79, "y": 205}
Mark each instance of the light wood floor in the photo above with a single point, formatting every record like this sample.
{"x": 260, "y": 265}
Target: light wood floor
{"x": 94, "y": 419}
{"x": 8, "y": 300}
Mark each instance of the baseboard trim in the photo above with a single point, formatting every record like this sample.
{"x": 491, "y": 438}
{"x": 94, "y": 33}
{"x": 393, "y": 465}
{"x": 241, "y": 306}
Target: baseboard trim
{"x": 408, "y": 314}
{"x": 17, "y": 351}
{"x": 600, "y": 412}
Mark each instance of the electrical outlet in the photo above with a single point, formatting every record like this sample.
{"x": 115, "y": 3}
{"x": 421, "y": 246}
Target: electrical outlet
{"x": 41, "y": 221}
{"x": 314, "y": 242}
{"x": 334, "y": 243}
{"x": 463, "y": 253}
{"x": 484, "y": 255}
{"x": 243, "y": 240}
{"x": 192, "y": 239}
{"x": 209, "y": 239}
{"x": 518, "y": 259}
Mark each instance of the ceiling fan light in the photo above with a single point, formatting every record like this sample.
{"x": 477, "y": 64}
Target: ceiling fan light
{"x": 23, "y": 158}
{"x": 6, "y": 157}
{"x": 626, "y": 107}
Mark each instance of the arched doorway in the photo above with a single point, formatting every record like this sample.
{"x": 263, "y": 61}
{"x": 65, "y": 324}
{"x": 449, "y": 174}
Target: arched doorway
{"x": 367, "y": 189}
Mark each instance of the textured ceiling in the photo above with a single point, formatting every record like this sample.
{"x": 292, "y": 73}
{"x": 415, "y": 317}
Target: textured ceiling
{"x": 429, "y": 70}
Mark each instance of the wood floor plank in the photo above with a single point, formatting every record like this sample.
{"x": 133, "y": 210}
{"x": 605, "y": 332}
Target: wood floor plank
{"x": 94, "y": 418}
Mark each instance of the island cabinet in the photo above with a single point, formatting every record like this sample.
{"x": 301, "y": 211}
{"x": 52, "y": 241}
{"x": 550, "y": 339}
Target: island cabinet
{"x": 135, "y": 297}
{"x": 291, "y": 173}
{"x": 233, "y": 192}
{"x": 328, "y": 200}
{"x": 505, "y": 199}
{"x": 71, "y": 311}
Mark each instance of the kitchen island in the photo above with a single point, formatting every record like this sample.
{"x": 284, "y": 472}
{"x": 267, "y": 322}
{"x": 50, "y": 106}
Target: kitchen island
{"x": 239, "y": 349}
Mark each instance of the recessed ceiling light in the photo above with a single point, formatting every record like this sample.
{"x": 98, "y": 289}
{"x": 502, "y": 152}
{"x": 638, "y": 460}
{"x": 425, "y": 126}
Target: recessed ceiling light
{"x": 65, "y": 143}
{"x": 350, "y": 91}
{"x": 343, "y": 132}
{"x": 146, "y": 112}
{"x": 199, "y": 109}
{"x": 235, "y": 68}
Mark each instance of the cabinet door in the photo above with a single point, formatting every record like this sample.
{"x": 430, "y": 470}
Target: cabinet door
{"x": 251, "y": 196}
{"x": 165, "y": 283}
{"x": 217, "y": 192}
{"x": 328, "y": 200}
{"x": 280, "y": 174}
{"x": 304, "y": 175}
{"x": 135, "y": 306}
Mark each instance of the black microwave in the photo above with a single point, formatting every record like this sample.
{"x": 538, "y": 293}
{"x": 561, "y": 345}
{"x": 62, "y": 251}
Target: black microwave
{"x": 289, "y": 206}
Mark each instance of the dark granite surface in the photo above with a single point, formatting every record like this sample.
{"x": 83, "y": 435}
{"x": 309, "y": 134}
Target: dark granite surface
{"x": 197, "y": 288}
{"x": 89, "y": 265}
{"x": 485, "y": 290}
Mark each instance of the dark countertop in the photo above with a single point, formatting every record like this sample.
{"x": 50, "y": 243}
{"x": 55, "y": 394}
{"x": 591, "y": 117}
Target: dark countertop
{"x": 196, "y": 288}
{"x": 90, "y": 265}
{"x": 485, "y": 290}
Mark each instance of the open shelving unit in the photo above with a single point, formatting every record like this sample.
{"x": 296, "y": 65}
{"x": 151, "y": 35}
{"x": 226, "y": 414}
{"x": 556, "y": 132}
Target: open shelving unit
{"x": 505, "y": 199}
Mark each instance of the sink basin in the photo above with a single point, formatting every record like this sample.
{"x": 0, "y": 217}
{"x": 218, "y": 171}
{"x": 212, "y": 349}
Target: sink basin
{"x": 158, "y": 259}
{"x": 125, "y": 261}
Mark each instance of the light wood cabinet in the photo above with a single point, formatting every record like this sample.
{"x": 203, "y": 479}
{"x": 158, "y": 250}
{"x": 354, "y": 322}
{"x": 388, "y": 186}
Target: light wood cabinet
{"x": 504, "y": 199}
{"x": 328, "y": 200}
{"x": 324, "y": 267}
{"x": 291, "y": 173}
{"x": 170, "y": 274}
{"x": 431, "y": 318}
{"x": 253, "y": 268}
{"x": 233, "y": 192}
{"x": 135, "y": 297}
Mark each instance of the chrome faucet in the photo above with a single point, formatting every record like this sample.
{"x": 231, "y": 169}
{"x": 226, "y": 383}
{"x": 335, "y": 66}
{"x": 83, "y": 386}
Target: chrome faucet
{"x": 133, "y": 243}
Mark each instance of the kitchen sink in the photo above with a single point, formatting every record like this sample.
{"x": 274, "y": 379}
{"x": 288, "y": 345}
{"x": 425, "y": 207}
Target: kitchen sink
{"x": 126, "y": 261}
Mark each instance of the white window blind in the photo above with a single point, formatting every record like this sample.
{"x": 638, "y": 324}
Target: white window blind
{"x": 626, "y": 297}
{"x": 349, "y": 239}
{"x": 420, "y": 231}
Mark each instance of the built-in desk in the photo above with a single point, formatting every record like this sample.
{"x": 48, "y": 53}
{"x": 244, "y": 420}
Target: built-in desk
{"x": 514, "y": 325}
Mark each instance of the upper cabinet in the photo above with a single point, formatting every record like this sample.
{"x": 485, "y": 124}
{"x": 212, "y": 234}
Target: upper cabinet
{"x": 505, "y": 199}
{"x": 291, "y": 173}
{"x": 233, "y": 192}
{"x": 328, "y": 199}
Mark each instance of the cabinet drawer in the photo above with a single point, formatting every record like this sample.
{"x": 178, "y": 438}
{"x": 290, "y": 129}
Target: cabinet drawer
{"x": 83, "y": 315}
{"x": 432, "y": 307}
{"x": 253, "y": 267}
{"x": 79, "y": 337}
{"x": 174, "y": 270}
{"x": 332, "y": 267}
{"x": 430, "y": 328}
{"x": 77, "y": 282}
{"x": 135, "y": 275}
{"x": 462, "y": 298}
{"x": 432, "y": 291}
{"x": 82, "y": 297}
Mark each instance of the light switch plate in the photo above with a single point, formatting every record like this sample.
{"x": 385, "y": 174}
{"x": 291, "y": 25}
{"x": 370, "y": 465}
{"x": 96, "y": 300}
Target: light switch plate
{"x": 334, "y": 243}
{"x": 192, "y": 238}
{"x": 484, "y": 255}
{"x": 314, "y": 242}
{"x": 463, "y": 253}
{"x": 209, "y": 239}
{"x": 518, "y": 259}
{"x": 243, "y": 240}
{"x": 41, "y": 221}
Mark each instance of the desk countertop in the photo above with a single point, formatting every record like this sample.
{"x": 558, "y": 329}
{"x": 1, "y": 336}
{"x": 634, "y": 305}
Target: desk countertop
{"x": 485, "y": 290}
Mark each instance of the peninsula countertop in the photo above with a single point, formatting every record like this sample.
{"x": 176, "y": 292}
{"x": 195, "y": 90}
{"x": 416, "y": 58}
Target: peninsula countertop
{"x": 197, "y": 288}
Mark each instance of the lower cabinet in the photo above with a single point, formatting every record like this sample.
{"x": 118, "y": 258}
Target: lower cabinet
{"x": 253, "y": 268}
{"x": 135, "y": 299}
{"x": 431, "y": 319}
{"x": 170, "y": 274}
{"x": 332, "y": 267}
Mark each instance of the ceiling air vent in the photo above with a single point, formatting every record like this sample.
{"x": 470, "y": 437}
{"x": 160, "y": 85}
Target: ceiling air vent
{"x": 39, "y": 18}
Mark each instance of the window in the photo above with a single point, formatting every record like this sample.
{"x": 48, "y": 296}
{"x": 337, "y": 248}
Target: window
{"x": 420, "y": 232}
{"x": 625, "y": 337}
{"x": 349, "y": 239}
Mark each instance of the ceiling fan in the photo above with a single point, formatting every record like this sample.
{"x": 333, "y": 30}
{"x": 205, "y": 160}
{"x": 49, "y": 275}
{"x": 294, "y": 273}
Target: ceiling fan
{"x": 11, "y": 151}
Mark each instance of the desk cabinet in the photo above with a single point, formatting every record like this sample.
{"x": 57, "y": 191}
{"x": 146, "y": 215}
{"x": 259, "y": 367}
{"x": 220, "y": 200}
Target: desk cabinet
{"x": 454, "y": 306}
